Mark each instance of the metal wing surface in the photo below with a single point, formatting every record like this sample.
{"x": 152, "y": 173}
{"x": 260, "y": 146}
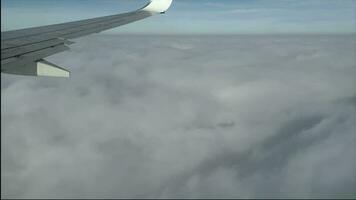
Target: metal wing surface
{"x": 23, "y": 51}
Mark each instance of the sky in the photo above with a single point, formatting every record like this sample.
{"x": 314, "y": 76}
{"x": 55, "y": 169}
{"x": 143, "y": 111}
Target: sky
{"x": 195, "y": 16}
{"x": 185, "y": 116}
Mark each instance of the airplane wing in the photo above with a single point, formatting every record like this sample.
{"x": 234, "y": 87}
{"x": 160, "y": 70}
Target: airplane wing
{"x": 23, "y": 51}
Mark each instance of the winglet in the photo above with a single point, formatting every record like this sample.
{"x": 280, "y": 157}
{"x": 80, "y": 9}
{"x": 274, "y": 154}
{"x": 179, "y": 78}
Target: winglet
{"x": 158, "y": 6}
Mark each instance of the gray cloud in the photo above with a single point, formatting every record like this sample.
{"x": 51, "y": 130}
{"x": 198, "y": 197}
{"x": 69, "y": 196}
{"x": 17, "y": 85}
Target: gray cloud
{"x": 185, "y": 116}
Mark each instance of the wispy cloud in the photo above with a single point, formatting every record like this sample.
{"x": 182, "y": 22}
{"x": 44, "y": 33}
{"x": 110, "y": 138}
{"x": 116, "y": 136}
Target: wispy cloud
{"x": 216, "y": 5}
{"x": 203, "y": 16}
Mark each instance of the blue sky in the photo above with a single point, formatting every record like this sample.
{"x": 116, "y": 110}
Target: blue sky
{"x": 194, "y": 16}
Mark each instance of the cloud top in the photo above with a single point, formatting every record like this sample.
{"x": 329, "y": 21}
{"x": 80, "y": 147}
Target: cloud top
{"x": 184, "y": 116}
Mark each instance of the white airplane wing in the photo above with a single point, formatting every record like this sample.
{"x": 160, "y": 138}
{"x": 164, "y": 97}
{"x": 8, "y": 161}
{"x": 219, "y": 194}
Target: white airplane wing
{"x": 23, "y": 51}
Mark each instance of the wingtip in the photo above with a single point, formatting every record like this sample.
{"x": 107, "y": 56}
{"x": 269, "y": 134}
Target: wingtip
{"x": 158, "y": 6}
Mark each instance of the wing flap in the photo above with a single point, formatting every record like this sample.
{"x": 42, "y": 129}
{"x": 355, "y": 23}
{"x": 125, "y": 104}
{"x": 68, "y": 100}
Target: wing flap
{"x": 8, "y": 64}
{"x": 21, "y": 50}
{"x": 39, "y": 68}
{"x": 45, "y": 68}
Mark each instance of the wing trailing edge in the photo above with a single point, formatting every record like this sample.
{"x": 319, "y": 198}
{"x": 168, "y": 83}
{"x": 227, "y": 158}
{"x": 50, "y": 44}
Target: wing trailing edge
{"x": 39, "y": 68}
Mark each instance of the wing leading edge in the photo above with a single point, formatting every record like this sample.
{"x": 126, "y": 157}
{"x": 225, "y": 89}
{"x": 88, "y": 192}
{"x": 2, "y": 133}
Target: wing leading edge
{"x": 23, "y": 51}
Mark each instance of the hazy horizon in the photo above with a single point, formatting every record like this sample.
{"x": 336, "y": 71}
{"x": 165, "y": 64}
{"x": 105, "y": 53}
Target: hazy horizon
{"x": 194, "y": 17}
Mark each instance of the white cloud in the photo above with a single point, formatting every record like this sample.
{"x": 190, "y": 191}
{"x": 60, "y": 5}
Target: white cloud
{"x": 182, "y": 116}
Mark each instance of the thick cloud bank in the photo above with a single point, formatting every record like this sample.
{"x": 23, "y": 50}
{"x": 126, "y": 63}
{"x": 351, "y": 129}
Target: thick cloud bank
{"x": 184, "y": 116}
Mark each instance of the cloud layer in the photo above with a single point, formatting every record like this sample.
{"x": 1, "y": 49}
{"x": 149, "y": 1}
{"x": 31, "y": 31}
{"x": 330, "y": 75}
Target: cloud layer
{"x": 185, "y": 116}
